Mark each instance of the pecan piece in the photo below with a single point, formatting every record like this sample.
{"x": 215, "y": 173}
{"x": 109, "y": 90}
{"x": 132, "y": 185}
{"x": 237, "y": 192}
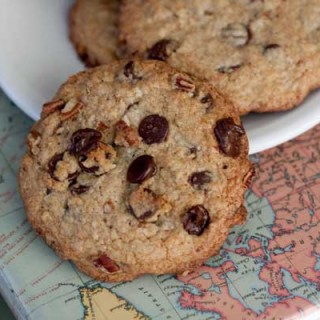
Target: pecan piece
{"x": 184, "y": 83}
{"x": 52, "y": 106}
{"x": 105, "y": 262}
{"x": 162, "y": 50}
{"x": 71, "y": 109}
{"x": 125, "y": 135}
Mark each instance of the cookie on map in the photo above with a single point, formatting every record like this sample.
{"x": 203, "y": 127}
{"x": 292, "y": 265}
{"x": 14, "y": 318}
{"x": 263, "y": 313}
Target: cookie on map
{"x": 93, "y": 30}
{"x": 136, "y": 168}
{"x": 264, "y": 55}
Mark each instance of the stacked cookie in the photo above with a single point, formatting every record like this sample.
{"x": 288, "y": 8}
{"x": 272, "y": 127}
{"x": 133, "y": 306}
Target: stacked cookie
{"x": 140, "y": 165}
{"x": 264, "y": 55}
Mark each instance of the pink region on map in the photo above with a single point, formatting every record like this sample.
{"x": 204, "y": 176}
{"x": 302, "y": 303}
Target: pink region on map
{"x": 288, "y": 177}
{"x": 271, "y": 274}
{"x": 227, "y": 306}
{"x": 208, "y": 301}
{"x": 297, "y": 227}
{"x": 296, "y": 204}
{"x": 283, "y": 170}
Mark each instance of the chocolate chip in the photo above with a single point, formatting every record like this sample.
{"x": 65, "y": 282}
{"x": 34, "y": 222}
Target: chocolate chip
{"x": 143, "y": 203}
{"x": 229, "y": 69}
{"x": 108, "y": 156}
{"x": 73, "y": 176}
{"x": 154, "y": 129}
{"x": 144, "y": 216}
{"x": 208, "y": 101}
{"x": 81, "y": 161}
{"x": 141, "y": 169}
{"x": 195, "y": 220}
{"x": 161, "y": 50}
{"x": 194, "y": 152}
{"x": 73, "y": 179}
{"x": 269, "y": 47}
{"x": 199, "y": 179}
{"x": 105, "y": 262}
{"x": 129, "y": 71}
{"x": 208, "y": 13}
{"x": 229, "y": 136}
{"x": 76, "y": 190}
{"x": 52, "y": 164}
{"x": 84, "y": 140}
{"x": 236, "y": 34}
{"x": 131, "y": 105}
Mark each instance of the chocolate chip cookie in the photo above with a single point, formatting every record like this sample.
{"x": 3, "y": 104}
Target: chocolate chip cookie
{"x": 265, "y": 55}
{"x": 135, "y": 168}
{"x": 93, "y": 30}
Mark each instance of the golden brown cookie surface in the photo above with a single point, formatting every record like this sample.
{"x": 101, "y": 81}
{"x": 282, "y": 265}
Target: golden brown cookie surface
{"x": 135, "y": 168}
{"x": 264, "y": 55}
{"x": 93, "y": 30}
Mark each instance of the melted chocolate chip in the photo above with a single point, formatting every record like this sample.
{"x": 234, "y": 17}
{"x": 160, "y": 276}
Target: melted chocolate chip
{"x": 194, "y": 152}
{"x": 84, "y": 140}
{"x": 146, "y": 215}
{"x": 154, "y": 129}
{"x": 73, "y": 181}
{"x": 229, "y": 69}
{"x": 52, "y": 164}
{"x": 270, "y": 46}
{"x": 199, "y": 179}
{"x": 195, "y": 220}
{"x": 73, "y": 176}
{"x": 229, "y": 137}
{"x": 141, "y": 169}
{"x": 76, "y": 190}
{"x": 208, "y": 13}
{"x": 81, "y": 161}
{"x": 142, "y": 205}
{"x": 208, "y": 101}
{"x": 129, "y": 71}
{"x": 143, "y": 216}
{"x": 105, "y": 262}
{"x": 159, "y": 50}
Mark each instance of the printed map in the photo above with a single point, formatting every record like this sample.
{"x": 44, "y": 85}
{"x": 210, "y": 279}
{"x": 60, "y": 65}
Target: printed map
{"x": 269, "y": 268}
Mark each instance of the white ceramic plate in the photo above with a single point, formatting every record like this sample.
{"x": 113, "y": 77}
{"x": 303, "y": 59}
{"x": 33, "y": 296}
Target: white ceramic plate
{"x": 36, "y": 56}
